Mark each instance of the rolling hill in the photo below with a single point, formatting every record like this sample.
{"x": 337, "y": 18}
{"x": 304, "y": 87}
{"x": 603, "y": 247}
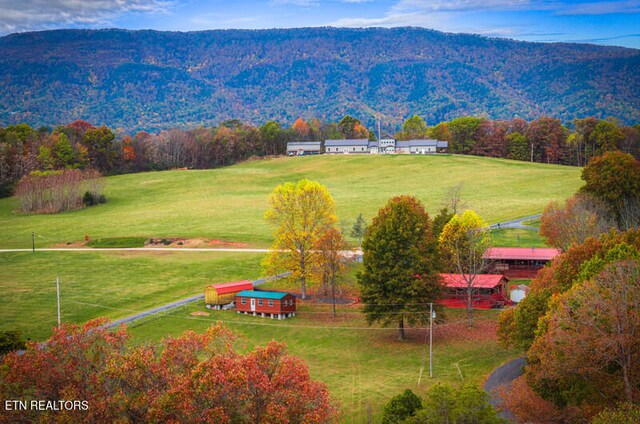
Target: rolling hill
{"x": 153, "y": 80}
{"x": 229, "y": 203}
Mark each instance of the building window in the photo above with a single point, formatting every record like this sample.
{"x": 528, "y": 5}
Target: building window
{"x": 243, "y": 300}
{"x": 259, "y": 302}
{"x": 270, "y": 303}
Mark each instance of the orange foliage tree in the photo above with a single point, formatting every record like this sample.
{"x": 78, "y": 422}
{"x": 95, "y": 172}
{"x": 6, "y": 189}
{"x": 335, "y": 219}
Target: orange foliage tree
{"x": 589, "y": 349}
{"x": 301, "y": 128}
{"x": 191, "y": 378}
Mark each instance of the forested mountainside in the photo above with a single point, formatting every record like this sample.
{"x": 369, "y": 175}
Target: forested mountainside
{"x": 150, "y": 80}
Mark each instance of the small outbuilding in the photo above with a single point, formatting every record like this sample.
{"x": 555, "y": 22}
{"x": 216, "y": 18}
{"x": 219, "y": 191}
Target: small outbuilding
{"x": 519, "y": 262}
{"x": 273, "y": 304}
{"x": 217, "y": 295}
{"x": 489, "y": 291}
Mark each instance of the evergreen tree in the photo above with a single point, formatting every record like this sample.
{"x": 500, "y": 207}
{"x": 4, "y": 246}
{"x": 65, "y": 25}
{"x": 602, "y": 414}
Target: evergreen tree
{"x": 359, "y": 228}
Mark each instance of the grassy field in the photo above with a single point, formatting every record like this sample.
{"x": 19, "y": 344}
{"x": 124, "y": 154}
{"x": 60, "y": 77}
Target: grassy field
{"x": 517, "y": 237}
{"x": 109, "y": 284}
{"x": 229, "y": 203}
{"x": 363, "y": 366}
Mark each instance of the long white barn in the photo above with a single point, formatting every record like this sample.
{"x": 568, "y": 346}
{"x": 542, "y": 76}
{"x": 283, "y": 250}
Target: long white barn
{"x": 364, "y": 146}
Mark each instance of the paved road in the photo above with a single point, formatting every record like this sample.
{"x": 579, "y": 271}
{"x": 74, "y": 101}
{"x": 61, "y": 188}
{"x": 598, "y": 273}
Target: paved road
{"x": 517, "y": 223}
{"x": 502, "y": 375}
{"x": 138, "y": 249}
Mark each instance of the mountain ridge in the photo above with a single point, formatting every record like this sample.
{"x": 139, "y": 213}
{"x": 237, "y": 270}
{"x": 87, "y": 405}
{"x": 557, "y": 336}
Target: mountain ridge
{"x": 152, "y": 80}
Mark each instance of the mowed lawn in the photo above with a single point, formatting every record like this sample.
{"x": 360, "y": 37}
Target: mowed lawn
{"x": 362, "y": 366}
{"x": 112, "y": 284}
{"x": 229, "y": 203}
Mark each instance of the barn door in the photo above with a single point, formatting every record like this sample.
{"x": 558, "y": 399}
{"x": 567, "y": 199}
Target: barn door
{"x": 253, "y": 305}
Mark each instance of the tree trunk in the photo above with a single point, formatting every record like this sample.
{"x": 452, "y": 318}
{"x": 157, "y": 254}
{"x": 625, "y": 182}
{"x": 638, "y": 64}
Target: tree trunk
{"x": 469, "y": 308}
{"x": 303, "y": 280}
{"x": 401, "y": 329}
{"x": 333, "y": 294}
{"x": 628, "y": 390}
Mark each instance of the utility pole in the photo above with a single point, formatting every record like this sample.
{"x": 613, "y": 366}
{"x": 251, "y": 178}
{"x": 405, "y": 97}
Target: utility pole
{"x": 531, "y": 152}
{"x": 58, "y": 290}
{"x": 432, "y": 315}
{"x": 33, "y": 241}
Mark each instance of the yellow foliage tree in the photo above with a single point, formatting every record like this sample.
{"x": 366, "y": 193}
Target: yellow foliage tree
{"x": 462, "y": 244}
{"x": 302, "y": 213}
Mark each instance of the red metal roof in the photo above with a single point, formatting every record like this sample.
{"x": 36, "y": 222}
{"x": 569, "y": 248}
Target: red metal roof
{"x": 521, "y": 253}
{"x": 482, "y": 281}
{"x": 236, "y": 286}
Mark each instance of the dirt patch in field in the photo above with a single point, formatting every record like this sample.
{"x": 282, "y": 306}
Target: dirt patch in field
{"x": 71, "y": 244}
{"x": 195, "y": 242}
{"x": 200, "y": 314}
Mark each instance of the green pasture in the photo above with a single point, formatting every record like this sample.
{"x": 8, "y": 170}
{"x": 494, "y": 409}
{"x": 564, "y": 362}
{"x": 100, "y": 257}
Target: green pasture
{"x": 517, "y": 237}
{"x": 363, "y": 366}
{"x": 229, "y": 203}
{"x": 112, "y": 284}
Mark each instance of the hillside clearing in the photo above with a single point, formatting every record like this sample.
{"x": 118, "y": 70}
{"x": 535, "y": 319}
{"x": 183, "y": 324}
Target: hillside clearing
{"x": 228, "y": 203}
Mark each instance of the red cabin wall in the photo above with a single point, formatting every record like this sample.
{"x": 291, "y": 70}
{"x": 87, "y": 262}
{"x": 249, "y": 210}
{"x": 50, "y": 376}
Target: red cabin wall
{"x": 277, "y": 307}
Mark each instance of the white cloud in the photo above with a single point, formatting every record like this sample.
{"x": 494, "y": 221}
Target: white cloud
{"x": 600, "y": 8}
{"x": 38, "y": 14}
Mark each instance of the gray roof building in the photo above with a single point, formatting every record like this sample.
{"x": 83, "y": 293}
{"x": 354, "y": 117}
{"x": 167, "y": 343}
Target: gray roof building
{"x": 356, "y": 145}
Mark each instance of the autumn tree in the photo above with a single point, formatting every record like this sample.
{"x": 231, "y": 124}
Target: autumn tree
{"x": 191, "y": 378}
{"x": 399, "y": 276}
{"x": 581, "y": 217}
{"x": 589, "y": 351}
{"x": 302, "y": 213}
{"x": 331, "y": 262}
{"x": 614, "y": 178}
{"x": 351, "y": 127}
{"x": 98, "y": 141}
{"x": 547, "y": 139}
{"x": 519, "y": 328}
{"x": 462, "y": 245}
{"x": 301, "y": 128}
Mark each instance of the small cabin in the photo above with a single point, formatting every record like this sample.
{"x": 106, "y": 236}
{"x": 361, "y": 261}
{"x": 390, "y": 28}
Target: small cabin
{"x": 272, "y": 304}
{"x": 519, "y": 262}
{"x": 217, "y": 295}
{"x": 488, "y": 291}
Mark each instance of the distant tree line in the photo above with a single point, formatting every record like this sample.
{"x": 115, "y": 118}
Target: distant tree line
{"x": 81, "y": 145}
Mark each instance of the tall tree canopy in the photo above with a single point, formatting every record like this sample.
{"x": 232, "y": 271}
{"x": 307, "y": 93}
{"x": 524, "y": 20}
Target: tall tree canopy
{"x": 614, "y": 178}
{"x": 191, "y": 378}
{"x": 462, "y": 244}
{"x": 414, "y": 128}
{"x": 589, "y": 351}
{"x": 399, "y": 276}
{"x": 302, "y": 213}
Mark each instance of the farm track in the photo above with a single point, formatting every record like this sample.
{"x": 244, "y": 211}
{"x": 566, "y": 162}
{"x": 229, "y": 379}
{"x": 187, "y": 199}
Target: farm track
{"x": 515, "y": 223}
{"x": 178, "y": 303}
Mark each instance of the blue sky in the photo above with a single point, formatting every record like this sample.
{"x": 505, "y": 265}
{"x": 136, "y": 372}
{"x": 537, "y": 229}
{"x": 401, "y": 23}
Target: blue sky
{"x": 590, "y": 21}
